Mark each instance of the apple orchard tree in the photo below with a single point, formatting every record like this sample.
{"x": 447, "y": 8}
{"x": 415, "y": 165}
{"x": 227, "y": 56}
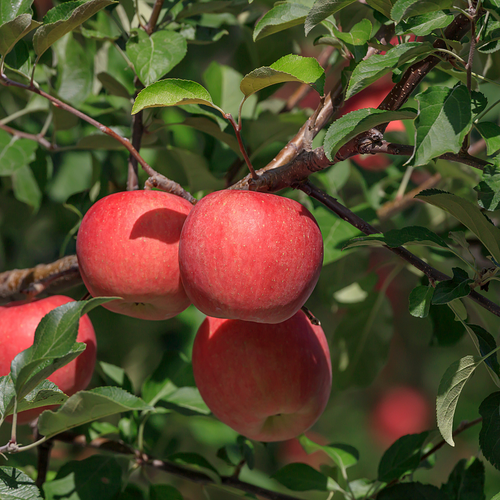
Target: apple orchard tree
{"x": 191, "y": 173}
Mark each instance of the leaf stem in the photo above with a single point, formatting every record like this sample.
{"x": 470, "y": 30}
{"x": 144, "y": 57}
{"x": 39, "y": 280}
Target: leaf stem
{"x": 237, "y": 130}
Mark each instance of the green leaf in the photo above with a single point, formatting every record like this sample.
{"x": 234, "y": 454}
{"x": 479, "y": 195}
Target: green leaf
{"x": 87, "y": 406}
{"x": 449, "y": 391}
{"x": 186, "y": 398}
{"x": 280, "y": 17}
{"x": 16, "y": 485}
{"x": 491, "y": 134}
{"x": 469, "y": 215}
{"x": 361, "y": 342}
{"x": 403, "y": 9}
{"x": 196, "y": 462}
{"x": 11, "y": 32}
{"x": 449, "y": 290}
{"x": 302, "y": 477}
{"x": 154, "y": 56}
{"x": 420, "y": 301}
{"x": 96, "y": 477}
{"x": 350, "y": 125}
{"x": 444, "y": 119}
{"x": 402, "y": 457}
{"x": 290, "y": 68}
{"x": 488, "y": 190}
{"x": 171, "y": 92}
{"x": 115, "y": 376}
{"x": 343, "y": 455}
{"x": 54, "y": 345}
{"x": 15, "y": 153}
{"x": 412, "y": 491}
{"x": 490, "y": 429}
{"x": 26, "y": 188}
{"x": 359, "y": 34}
{"x": 446, "y": 331}
{"x": 466, "y": 481}
{"x": 382, "y": 6}
{"x": 323, "y": 9}
{"x": 487, "y": 344}
{"x": 112, "y": 85}
{"x": 11, "y": 9}
{"x": 164, "y": 492}
{"x": 373, "y": 68}
{"x": 48, "y": 34}
{"x": 425, "y": 24}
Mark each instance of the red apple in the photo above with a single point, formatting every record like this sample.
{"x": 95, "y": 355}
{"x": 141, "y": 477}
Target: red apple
{"x": 18, "y": 322}
{"x": 127, "y": 247}
{"x": 250, "y": 256}
{"x": 269, "y": 382}
{"x": 400, "y": 411}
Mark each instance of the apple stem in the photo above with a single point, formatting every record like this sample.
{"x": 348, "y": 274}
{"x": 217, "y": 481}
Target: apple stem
{"x": 13, "y": 435}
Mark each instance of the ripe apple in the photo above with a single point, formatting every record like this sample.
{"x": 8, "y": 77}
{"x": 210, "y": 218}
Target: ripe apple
{"x": 269, "y": 382}
{"x": 18, "y": 322}
{"x": 399, "y": 411}
{"x": 250, "y": 256}
{"x": 127, "y": 247}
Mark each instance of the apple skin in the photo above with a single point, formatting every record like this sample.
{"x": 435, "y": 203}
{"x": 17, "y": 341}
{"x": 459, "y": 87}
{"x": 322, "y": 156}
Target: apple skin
{"x": 250, "y": 256}
{"x": 399, "y": 411}
{"x": 18, "y": 322}
{"x": 127, "y": 246}
{"x": 269, "y": 382}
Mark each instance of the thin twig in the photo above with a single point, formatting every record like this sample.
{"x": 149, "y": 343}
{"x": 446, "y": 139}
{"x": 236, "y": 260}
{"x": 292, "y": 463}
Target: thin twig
{"x": 34, "y": 137}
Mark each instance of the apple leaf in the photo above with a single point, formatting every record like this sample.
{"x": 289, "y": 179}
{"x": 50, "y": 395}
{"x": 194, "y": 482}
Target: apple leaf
{"x": 154, "y": 56}
{"x": 164, "y": 492}
{"x": 401, "y": 457}
{"x": 466, "y": 480}
{"x": 281, "y": 17}
{"x": 445, "y": 330}
{"x": 412, "y": 491}
{"x": 403, "y": 9}
{"x": 116, "y": 376}
{"x": 490, "y": 429}
{"x": 382, "y": 6}
{"x": 343, "y": 455}
{"x": 96, "y": 477}
{"x": 373, "y": 68}
{"x": 425, "y": 24}
{"x": 491, "y": 134}
{"x": 186, "y": 400}
{"x": 54, "y": 345}
{"x": 172, "y": 92}
{"x": 359, "y": 34}
{"x": 302, "y": 477}
{"x": 112, "y": 85}
{"x": 14, "y": 8}
{"x": 197, "y": 462}
{"x": 455, "y": 288}
{"x": 15, "y": 153}
{"x": 469, "y": 215}
{"x": 58, "y": 24}
{"x": 26, "y": 188}
{"x": 290, "y": 68}
{"x": 449, "y": 391}
{"x": 86, "y": 406}
{"x": 486, "y": 344}
{"x": 420, "y": 301}
{"x": 351, "y": 124}
{"x": 12, "y": 31}
{"x": 16, "y": 485}
{"x": 444, "y": 119}
{"x": 323, "y": 9}
{"x": 488, "y": 190}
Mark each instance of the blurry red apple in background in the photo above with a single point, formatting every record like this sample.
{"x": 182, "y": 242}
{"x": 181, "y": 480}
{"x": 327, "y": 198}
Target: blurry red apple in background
{"x": 250, "y": 256}
{"x": 400, "y": 411}
{"x": 18, "y": 322}
{"x": 267, "y": 382}
{"x": 127, "y": 247}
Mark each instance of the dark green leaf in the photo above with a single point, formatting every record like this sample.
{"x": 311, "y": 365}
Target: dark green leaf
{"x": 154, "y": 56}
{"x": 280, "y": 17}
{"x": 11, "y": 32}
{"x": 15, "y": 153}
{"x": 490, "y": 429}
{"x": 446, "y": 331}
{"x": 361, "y": 342}
{"x": 164, "y": 492}
{"x": 403, "y": 9}
{"x": 373, "y": 68}
{"x": 425, "y": 24}
{"x": 96, "y": 477}
{"x": 411, "y": 491}
{"x": 469, "y": 215}
{"x": 14, "y": 8}
{"x": 491, "y": 134}
{"x": 87, "y": 406}
{"x": 382, "y": 6}
{"x": 420, "y": 301}
{"x": 323, "y": 9}
{"x": 350, "y": 125}
{"x": 113, "y": 86}
{"x": 16, "y": 485}
{"x": 302, "y": 477}
{"x": 402, "y": 457}
{"x": 466, "y": 481}
{"x": 479, "y": 102}
{"x": 449, "y": 391}
{"x": 26, "y": 188}
{"x": 290, "y": 68}
{"x": 457, "y": 287}
{"x": 115, "y": 375}
{"x": 343, "y": 455}
{"x": 487, "y": 344}
{"x": 488, "y": 190}
{"x": 196, "y": 462}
